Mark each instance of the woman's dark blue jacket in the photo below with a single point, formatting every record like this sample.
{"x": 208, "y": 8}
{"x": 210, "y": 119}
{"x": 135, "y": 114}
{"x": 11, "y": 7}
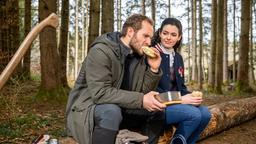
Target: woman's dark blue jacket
{"x": 164, "y": 84}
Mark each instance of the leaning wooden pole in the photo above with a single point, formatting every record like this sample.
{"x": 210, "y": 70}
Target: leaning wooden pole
{"x": 229, "y": 114}
{"x": 51, "y": 20}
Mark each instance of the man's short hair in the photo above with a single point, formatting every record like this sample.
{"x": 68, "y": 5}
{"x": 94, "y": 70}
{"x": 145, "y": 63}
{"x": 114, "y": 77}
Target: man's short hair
{"x": 135, "y": 22}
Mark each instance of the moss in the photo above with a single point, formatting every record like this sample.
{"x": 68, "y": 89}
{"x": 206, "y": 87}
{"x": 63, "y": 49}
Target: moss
{"x": 243, "y": 88}
{"x": 59, "y": 95}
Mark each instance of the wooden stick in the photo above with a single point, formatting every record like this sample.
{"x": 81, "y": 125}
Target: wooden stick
{"x": 51, "y": 20}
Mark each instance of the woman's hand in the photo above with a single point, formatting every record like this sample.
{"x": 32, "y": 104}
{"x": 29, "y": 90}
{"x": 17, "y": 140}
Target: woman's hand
{"x": 190, "y": 99}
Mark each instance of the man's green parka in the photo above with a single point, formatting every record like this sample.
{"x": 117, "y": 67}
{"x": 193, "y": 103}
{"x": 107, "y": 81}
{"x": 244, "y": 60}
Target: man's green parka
{"x": 99, "y": 82}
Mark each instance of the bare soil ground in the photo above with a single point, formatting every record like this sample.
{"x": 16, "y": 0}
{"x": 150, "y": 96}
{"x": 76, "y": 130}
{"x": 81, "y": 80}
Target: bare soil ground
{"x": 23, "y": 118}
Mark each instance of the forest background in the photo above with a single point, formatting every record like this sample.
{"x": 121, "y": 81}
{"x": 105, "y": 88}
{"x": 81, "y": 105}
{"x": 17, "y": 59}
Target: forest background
{"x": 219, "y": 50}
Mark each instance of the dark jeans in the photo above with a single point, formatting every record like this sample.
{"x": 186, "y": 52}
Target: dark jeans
{"x": 112, "y": 117}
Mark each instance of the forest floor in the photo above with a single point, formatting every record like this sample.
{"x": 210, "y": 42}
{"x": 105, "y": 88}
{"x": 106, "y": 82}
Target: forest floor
{"x": 23, "y": 118}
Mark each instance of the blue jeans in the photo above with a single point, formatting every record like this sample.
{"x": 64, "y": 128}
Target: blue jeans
{"x": 189, "y": 120}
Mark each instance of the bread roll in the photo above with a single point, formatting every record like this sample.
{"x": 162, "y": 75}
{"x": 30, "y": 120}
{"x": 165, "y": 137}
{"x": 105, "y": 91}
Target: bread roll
{"x": 149, "y": 52}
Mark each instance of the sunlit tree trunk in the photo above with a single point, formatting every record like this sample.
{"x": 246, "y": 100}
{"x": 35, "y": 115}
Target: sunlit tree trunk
{"x": 225, "y": 47}
{"x": 83, "y": 30}
{"x": 76, "y": 39}
{"x": 234, "y": 42}
{"x": 87, "y": 27}
{"x": 107, "y": 16}
{"x": 243, "y": 63}
{"x": 213, "y": 44}
{"x": 252, "y": 45}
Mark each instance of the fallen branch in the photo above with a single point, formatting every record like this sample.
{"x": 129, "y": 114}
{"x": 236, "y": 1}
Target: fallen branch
{"x": 230, "y": 114}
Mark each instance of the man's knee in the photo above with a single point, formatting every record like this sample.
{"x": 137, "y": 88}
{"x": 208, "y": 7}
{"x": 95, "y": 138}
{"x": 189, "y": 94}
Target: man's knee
{"x": 108, "y": 116}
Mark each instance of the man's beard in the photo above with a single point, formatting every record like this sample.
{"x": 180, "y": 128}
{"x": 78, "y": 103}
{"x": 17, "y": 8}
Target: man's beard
{"x": 134, "y": 44}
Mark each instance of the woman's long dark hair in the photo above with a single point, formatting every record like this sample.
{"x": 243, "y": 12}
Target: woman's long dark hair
{"x": 168, "y": 21}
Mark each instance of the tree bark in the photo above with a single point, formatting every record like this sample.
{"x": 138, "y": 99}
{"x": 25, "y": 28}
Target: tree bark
{"x": 94, "y": 21}
{"x": 50, "y": 59}
{"x": 107, "y": 16}
{"x": 153, "y": 10}
{"x": 64, "y": 41}
{"x": 225, "y": 47}
{"x": 229, "y": 114}
{"x": 143, "y": 7}
{"x": 219, "y": 50}
{"x": 213, "y": 44}
{"x": 76, "y": 38}
{"x": 9, "y": 32}
{"x": 189, "y": 44}
{"x": 243, "y": 63}
{"x": 26, "y": 62}
{"x": 194, "y": 43}
{"x": 200, "y": 57}
{"x": 234, "y": 74}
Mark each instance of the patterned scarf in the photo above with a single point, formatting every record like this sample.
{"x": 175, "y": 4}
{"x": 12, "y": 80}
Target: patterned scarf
{"x": 169, "y": 51}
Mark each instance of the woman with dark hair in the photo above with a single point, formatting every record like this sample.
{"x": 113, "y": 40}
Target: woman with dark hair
{"x": 189, "y": 117}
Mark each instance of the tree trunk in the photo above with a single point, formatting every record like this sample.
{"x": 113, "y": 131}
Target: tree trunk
{"x": 229, "y": 114}
{"x": 76, "y": 38}
{"x": 169, "y": 8}
{"x": 153, "y": 10}
{"x": 107, "y": 16}
{"x": 143, "y": 7}
{"x": 234, "y": 74}
{"x": 50, "y": 59}
{"x": 189, "y": 44}
{"x": 225, "y": 47}
{"x": 194, "y": 48}
{"x": 83, "y": 30}
{"x": 243, "y": 63}
{"x": 26, "y": 62}
{"x": 87, "y": 27}
{"x": 200, "y": 68}
{"x": 64, "y": 41}
{"x": 213, "y": 44}
{"x": 9, "y": 32}
{"x": 94, "y": 21}
{"x": 219, "y": 51}
{"x": 251, "y": 65}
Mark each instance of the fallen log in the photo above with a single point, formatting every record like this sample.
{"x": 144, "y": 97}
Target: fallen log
{"x": 229, "y": 114}
{"x": 224, "y": 116}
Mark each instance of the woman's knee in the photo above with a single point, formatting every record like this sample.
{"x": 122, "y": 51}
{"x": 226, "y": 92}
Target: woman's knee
{"x": 108, "y": 116}
{"x": 206, "y": 114}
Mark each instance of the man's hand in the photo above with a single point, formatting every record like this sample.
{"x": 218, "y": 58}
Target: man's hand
{"x": 151, "y": 104}
{"x": 154, "y": 63}
{"x": 190, "y": 99}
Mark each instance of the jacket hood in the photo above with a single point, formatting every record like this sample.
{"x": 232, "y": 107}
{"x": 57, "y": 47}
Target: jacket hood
{"x": 111, "y": 39}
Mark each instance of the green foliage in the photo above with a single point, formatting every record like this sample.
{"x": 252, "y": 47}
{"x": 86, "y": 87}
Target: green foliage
{"x": 17, "y": 126}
